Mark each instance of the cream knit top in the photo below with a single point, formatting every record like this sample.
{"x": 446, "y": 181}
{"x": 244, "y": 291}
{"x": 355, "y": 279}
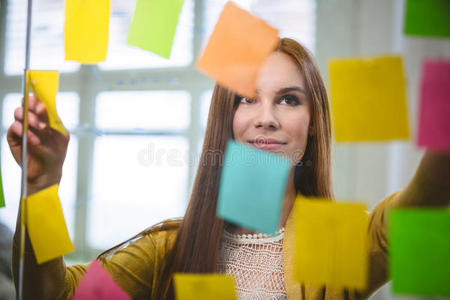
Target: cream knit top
{"x": 256, "y": 263}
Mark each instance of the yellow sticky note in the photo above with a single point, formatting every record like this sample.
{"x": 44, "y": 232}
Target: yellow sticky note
{"x": 86, "y": 30}
{"x": 45, "y": 86}
{"x": 204, "y": 287}
{"x": 46, "y": 226}
{"x": 331, "y": 243}
{"x": 368, "y": 99}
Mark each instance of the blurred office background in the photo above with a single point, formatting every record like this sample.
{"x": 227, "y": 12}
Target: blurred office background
{"x": 137, "y": 121}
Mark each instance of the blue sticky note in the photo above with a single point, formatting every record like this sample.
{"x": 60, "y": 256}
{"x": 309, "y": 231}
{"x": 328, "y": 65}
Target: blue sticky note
{"x": 252, "y": 187}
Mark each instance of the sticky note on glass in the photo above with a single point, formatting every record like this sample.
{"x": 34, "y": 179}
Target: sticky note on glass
{"x": 86, "y": 30}
{"x": 252, "y": 186}
{"x": 331, "y": 243}
{"x": 2, "y": 196}
{"x": 428, "y": 18}
{"x": 154, "y": 24}
{"x": 46, "y": 226}
{"x": 45, "y": 86}
{"x": 368, "y": 99}
{"x": 204, "y": 287}
{"x": 236, "y": 50}
{"x": 98, "y": 285}
{"x": 434, "y": 113}
{"x": 420, "y": 252}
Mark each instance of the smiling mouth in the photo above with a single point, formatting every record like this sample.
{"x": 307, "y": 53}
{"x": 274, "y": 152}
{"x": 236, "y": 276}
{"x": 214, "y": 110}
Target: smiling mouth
{"x": 267, "y": 144}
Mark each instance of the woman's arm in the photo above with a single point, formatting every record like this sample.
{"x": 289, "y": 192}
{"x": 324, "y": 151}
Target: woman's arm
{"x": 430, "y": 185}
{"x": 46, "y": 153}
{"x": 132, "y": 267}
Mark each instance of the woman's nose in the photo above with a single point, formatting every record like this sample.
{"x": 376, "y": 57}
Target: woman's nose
{"x": 266, "y": 118}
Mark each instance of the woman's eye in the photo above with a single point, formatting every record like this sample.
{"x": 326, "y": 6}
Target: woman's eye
{"x": 290, "y": 100}
{"x": 247, "y": 100}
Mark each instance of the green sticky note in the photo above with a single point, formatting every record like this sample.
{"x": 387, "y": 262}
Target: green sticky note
{"x": 2, "y": 197}
{"x": 252, "y": 186}
{"x": 428, "y": 18}
{"x": 420, "y": 252}
{"x": 154, "y": 24}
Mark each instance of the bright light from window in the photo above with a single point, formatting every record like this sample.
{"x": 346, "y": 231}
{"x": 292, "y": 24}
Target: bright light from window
{"x": 47, "y": 37}
{"x": 138, "y": 181}
{"x": 162, "y": 110}
{"x": 205, "y": 103}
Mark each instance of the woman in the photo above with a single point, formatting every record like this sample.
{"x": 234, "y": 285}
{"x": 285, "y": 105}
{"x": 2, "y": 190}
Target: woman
{"x": 289, "y": 115}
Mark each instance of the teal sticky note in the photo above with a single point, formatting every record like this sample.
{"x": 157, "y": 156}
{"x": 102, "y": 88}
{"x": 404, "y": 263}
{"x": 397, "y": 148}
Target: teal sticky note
{"x": 252, "y": 187}
{"x": 154, "y": 24}
{"x": 428, "y": 18}
{"x": 420, "y": 252}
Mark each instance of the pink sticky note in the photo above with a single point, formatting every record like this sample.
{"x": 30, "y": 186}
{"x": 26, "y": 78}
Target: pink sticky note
{"x": 434, "y": 114}
{"x": 97, "y": 284}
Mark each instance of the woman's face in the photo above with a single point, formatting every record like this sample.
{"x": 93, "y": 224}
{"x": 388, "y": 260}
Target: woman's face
{"x": 278, "y": 119}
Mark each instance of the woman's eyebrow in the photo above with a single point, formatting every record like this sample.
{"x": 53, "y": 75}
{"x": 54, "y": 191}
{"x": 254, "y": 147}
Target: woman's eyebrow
{"x": 291, "y": 89}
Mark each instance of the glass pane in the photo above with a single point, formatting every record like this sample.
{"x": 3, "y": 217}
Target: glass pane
{"x": 293, "y": 18}
{"x": 47, "y": 42}
{"x": 138, "y": 181}
{"x": 11, "y": 185}
{"x": 67, "y": 105}
{"x": 143, "y": 110}
{"x": 123, "y": 56}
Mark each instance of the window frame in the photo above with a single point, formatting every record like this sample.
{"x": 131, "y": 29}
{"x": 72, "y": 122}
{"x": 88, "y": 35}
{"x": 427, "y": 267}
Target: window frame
{"x": 85, "y": 82}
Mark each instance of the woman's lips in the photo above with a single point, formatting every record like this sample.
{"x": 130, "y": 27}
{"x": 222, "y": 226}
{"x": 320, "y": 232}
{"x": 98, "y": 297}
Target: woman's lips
{"x": 268, "y": 144}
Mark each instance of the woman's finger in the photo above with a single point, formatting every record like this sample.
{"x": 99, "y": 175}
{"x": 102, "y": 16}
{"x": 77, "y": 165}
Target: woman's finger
{"x": 15, "y": 133}
{"x": 38, "y": 107}
{"x": 32, "y": 102}
{"x": 33, "y": 120}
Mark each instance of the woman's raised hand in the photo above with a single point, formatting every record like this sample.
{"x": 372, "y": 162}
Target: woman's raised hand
{"x": 46, "y": 148}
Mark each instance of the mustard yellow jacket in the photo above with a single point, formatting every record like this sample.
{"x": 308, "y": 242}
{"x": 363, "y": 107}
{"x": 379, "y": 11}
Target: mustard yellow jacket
{"x": 135, "y": 266}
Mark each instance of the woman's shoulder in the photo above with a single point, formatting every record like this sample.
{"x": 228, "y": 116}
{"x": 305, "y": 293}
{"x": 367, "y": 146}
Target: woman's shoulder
{"x": 164, "y": 230}
{"x": 160, "y": 237}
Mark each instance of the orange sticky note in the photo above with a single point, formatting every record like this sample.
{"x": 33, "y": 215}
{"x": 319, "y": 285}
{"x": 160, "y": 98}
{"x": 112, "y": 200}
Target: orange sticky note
{"x": 204, "y": 287}
{"x": 86, "y": 30}
{"x": 368, "y": 99}
{"x": 45, "y": 86}
{"x": 46, "y": 226}
{"x": 236, "y": 50}
{"x": 331, "y": 243}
